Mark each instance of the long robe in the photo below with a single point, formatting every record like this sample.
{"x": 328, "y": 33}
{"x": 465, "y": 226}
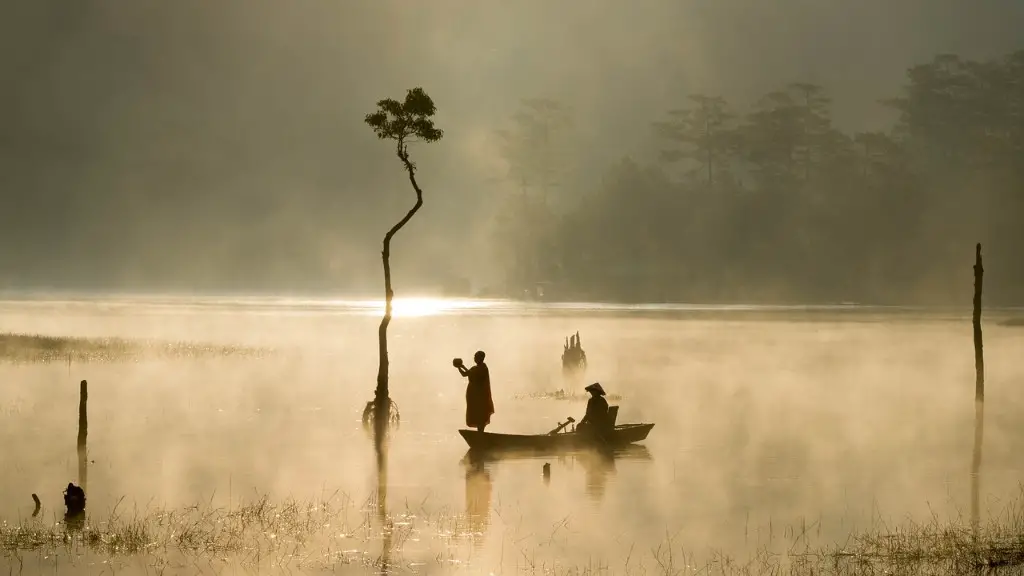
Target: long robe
{"x": 479, "y": 404}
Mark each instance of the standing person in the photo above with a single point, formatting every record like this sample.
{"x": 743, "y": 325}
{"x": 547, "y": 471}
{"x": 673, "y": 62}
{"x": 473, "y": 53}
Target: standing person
{"x": 479, "y": 404}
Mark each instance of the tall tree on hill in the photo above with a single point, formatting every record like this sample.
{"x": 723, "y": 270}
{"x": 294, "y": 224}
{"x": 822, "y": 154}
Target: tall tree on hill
{"x": 405, "y": 123}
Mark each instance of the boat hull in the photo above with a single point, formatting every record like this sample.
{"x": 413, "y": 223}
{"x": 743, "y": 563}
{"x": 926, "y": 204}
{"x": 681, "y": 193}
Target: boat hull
{"x": 622, "y": 435}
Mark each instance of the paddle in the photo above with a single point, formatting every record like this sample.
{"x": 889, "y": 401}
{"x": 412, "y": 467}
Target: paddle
{"x": 561, "y": 425}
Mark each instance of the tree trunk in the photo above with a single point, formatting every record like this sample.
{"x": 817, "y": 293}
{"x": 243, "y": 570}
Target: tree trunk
{"x": 382, "y": 400}
{"x": 979, "y": 392}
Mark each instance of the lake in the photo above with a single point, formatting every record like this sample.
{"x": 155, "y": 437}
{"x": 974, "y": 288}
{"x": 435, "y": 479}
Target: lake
{"x": 770, "y": 423}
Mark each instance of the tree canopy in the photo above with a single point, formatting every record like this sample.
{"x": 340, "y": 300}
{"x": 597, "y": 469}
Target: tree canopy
{"x": 776, "y": 203}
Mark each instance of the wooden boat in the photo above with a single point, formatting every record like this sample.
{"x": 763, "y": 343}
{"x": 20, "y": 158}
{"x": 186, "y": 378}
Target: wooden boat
{"x": 621, "y": 435}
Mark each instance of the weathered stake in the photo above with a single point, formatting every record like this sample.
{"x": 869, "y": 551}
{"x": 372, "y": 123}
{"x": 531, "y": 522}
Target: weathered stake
{"x": 83, "y": 433}
{"x": 979, "y": 355}
{"x": 83, "y": 417}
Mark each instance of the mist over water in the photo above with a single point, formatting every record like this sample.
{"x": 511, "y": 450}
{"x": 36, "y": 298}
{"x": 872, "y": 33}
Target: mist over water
{"x": 764, "y": 423}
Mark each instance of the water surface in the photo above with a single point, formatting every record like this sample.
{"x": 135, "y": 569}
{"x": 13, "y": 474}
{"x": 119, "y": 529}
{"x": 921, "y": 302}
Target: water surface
{"x": 768, "y": 419}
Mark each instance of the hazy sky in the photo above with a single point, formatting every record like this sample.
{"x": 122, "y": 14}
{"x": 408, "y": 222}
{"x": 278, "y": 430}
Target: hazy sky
{"x": 197, "y": 144}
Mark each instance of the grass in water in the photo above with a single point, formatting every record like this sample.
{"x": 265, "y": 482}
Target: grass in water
{"x": 321, "y": 534}
{"x": 335, "y": 531}
{"x": 34, "y": 348}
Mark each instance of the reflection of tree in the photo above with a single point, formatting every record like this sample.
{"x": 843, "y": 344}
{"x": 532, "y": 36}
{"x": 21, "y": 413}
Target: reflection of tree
{"x": 381, "y": 451}
{"x": 478, "y": 498}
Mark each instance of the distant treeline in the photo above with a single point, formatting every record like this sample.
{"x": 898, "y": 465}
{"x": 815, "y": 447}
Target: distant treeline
{"x": 775, "y": 203}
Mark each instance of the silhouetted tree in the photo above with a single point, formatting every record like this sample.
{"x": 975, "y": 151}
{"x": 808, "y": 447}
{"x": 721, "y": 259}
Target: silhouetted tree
{"x": 781, "y": 205}
{"x": 816, "y": 138}
{"x": 405, "y": 123}
{"x": 701, "y": 134}
{"x": 534, "y": 149}
{"x": 534, "y": 145}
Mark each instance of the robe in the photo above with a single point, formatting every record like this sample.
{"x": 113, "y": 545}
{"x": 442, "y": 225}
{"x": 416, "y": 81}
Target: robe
{"x": 479, "y": 404}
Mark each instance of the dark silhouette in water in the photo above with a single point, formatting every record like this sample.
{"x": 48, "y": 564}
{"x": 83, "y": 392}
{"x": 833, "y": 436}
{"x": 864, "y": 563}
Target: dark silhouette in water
{"x": 83, "y": 433}
{"x": 392, "y": 421}
{"x": 574, "y": 359}
{"x": 478, "y": 497}
{"x": 39, "y": 505}
{"x": 380, "y": 446}
{"x": 479, "y": 403}
{"x": 979, "y": 388}
{"x": 74, "y": 500}
{"x": 403, "y": 122}
{"x": 599, "y": 464}
{"x": 596, "y": 420}
{"x": 83, "y": 417}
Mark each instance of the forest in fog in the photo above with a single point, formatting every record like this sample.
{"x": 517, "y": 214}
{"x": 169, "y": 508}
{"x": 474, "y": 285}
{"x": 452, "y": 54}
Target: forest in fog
{"x": 694, "y": 151}
{"x": 772, "y": 202}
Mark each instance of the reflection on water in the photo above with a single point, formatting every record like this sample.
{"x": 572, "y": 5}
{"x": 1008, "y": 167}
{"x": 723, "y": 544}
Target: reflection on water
{"x": 380, "y": 451}
{"x": 598, "y": 466}
{"x": 478, "y": 497}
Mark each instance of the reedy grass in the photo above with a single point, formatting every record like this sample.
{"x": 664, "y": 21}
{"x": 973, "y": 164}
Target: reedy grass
{"x": 34, "y": 348}
{"x": 313, "y": 534}
{"x": 335, "y": 531}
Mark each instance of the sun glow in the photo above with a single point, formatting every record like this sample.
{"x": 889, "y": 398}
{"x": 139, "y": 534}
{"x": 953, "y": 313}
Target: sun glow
{"x": 415, "y": 307}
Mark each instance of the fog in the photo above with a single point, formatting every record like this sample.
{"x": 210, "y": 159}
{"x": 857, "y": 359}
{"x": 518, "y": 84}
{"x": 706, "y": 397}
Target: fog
{"x": 161, "y": 162}
{"x": 152, "y": 146}
{"x": 764, "y": 425}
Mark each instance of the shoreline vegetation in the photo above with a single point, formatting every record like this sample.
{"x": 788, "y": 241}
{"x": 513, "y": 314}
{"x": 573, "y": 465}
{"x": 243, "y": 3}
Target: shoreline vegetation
{"x": 562, "y": 394}
{"x": 16, "y": 348}
{"x": 334, "y": 532}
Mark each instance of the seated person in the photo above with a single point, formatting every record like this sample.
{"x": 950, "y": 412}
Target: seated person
{"x": 596, "y": 418}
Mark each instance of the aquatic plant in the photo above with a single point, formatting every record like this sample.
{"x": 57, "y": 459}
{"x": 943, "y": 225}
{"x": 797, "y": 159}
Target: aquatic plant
{"x": 35, "y": 348}
{"x": 335, "y": 530}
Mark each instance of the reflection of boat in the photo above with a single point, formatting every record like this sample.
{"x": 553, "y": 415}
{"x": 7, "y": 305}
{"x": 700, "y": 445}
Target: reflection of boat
{"x": 598, "y": 464}
{"x": 621, "y": 435}
{"x": 477, "y": 457}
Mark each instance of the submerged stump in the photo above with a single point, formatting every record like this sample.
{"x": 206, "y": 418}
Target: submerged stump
{"x": 74, "y": 500}
{"x": 574, "y": 358}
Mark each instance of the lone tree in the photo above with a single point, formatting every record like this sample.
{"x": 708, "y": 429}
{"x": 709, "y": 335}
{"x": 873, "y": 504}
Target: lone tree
{"x": 406, "y": 123}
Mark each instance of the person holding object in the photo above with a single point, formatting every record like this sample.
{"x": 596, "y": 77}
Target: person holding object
{"x": 479, "y": 404}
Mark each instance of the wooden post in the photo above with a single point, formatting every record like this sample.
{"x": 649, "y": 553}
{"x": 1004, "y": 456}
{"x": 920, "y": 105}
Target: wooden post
{"x": 979, "y": 391}
{"x": 979, "y": 355}
{"x": 83, "y": 416}
{"x": 83, "y": 432}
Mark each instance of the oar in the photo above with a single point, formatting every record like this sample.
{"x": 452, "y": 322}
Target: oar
{"x": 561, "y": 425}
